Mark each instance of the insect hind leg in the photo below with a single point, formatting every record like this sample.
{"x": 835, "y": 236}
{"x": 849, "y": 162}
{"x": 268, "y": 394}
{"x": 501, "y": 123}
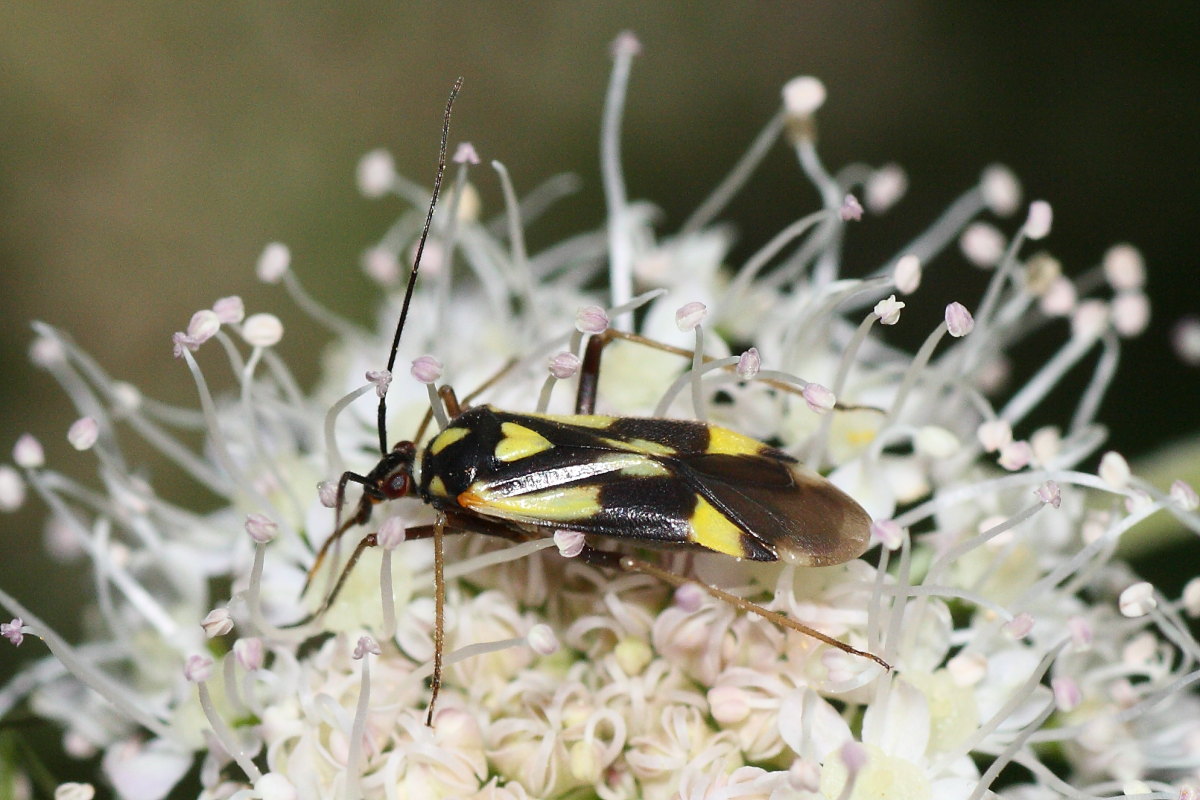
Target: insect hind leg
{"x": 589, "y": 372}
{"x": 626, "y": 563}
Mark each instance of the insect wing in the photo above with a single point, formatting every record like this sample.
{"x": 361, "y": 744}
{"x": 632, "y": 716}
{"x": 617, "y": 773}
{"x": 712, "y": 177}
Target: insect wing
{"x": 801, "y": 517}
{"x": 657, "y": 481}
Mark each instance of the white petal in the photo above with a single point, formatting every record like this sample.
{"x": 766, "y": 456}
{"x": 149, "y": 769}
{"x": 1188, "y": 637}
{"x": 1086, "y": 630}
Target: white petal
{"x": 899, "y": 727}
{"x": 827, "y": 731}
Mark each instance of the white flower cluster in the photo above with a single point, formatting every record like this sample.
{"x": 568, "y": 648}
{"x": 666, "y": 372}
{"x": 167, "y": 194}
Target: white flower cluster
{"x": 1027, "y": 662}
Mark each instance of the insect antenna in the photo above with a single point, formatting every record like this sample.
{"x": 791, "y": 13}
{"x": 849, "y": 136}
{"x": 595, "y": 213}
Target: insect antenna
{"x": 412, "y": 276}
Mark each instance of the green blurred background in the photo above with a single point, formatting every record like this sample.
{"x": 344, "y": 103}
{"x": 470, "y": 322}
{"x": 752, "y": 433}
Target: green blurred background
{"x": 149, "y": 150}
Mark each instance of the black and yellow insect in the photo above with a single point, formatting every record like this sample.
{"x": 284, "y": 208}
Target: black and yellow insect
{"x": 651, "y": 482}
{"x": 663, "y": 482}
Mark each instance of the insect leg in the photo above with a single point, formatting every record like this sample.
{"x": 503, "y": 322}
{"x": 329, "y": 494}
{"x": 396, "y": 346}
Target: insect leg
{"x": 683, "y": 352}
{"x": 361, "y": 515}
{"x": 439, "y": 614}
{"x": 627, "y": 563}
{"x": 589, "y": 375}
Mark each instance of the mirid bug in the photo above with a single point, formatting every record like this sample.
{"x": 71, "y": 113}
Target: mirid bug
{"x": 652, "y": 482}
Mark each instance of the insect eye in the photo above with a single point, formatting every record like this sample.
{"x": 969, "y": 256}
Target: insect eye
{"x": 396, "y": 486}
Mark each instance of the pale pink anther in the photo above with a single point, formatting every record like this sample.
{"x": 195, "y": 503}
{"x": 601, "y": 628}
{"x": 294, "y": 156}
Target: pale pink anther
{"x": 391, "y": 533}
{"x": 230, "y": 310}
{"x": 563, "y": 365}
{"x": 382, "y": 380}
{"x": 983, "y": 244}
{"x": 1137, "y": 600}
{"x": 802, "y": 96}
{"x": 376, "y": 173}
{"x": 994, "y": 434}
{"x": 83, "y": 433}
{"x": 690, "y": 315}
{"x": 569, "y": 543}
{"x": 819, "y": 398}
{"x": 261, "y": 528}
{"x": 1037, "y": 224}
{"x": 851, "y": 210}
{"x": 885, "y": 187}
{"x": 28, "y": 452}
{"x": 541, "y": 639}
{"x": 959, "y": 321}
{"x": 465, "y": 153}
{"x": 262, "y": 330}
{"x": 1050, "y": 494}
{"x": 888, "y": 533}
{"x": 888, "y": 310}
{"x": 249, "y": 652}
{"x": 1000, "y": 189}
{"x": 749, "y": 363}
{"x": 273, "y": 263}
{"x": 198, "y": 668}
{"x": 1124, "y": 267}
{"x": 591, "y": 320}
{"x": 366, "y": 645}
{"x": 907, "y": 274}
{"x": 426, "y": 369}
{"x": 217, "y": 623}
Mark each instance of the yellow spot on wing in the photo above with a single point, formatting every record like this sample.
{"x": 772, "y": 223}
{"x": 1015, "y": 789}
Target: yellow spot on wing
{"x": 553, "y": 505}
{"x": 634, "y": 465}
{"x": 712, "y": 529}
{"x": 642, "y": 446}
{"x": 578, "y": 420}
{"x": 519, "y": 442}
{"x": 447, "y": 438}
{"x": 437, "y": 487}
{"x": 725, "y": 442}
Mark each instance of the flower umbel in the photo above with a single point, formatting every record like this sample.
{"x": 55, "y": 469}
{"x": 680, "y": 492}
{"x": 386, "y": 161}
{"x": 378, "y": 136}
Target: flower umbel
{"x": 1028, "y": 661}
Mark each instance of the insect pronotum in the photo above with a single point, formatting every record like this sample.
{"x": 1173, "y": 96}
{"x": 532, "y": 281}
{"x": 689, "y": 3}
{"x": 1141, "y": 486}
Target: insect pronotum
{"x": 656, "y": 482}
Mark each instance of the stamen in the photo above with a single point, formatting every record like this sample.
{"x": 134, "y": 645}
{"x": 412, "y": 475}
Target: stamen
{"x": 504, "y": 555}
{"x": 854, "y": 758}
{"x": 851, "y": 210}
{"x": 390, "y": 536}
{"x": 687, "y": 318}
{"x": 28, "y": 452}
{"x": 217, "y": 622}
{"x": 707, "y": 211}
{"x": 219, "y": 445}
{"x": 1137, "y": 600}
{"x": 562, "y": 366}
{"x": 376, "y": 174}
{"x": 919, "y": 362}
{"x": 620, "y": 247}
{"x": 570, "y": 543}
{"x": 755, "y": 264}
{"x": 83, "y": 433}
{"x": 335, "y": 464}
{"x": 1102, "y": 378}
{"x": 523, "y": 277}
{"x": 139, "y": 598}
{"x": 12, "y": 489}
{"x": 1019, "y": 697}
{"x": 354, "y": 757}
{"x": 318, "y": 313}
{"x": 1124, "y": 268}
{"x": 1006, "y": 755}
{"x": 884, "y": 188}
{"x": 274, "y": 261}
{"x": 85, "y": 671}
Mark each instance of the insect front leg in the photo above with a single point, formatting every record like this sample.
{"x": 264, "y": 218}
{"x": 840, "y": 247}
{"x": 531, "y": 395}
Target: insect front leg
{"x": 361, "y": 515}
